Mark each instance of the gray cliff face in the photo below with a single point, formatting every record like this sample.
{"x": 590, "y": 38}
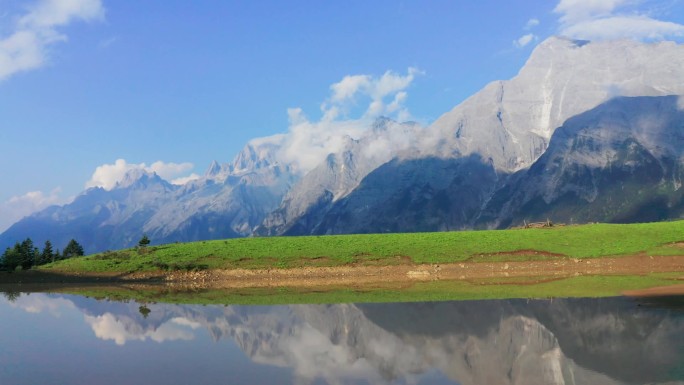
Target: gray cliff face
{"x": 338, "y": 176}
{"x": 428, "y": 194}
{"x": 435, "y": 184}
{"x": 620, "y": 162}
{"x": 512, "y": 121}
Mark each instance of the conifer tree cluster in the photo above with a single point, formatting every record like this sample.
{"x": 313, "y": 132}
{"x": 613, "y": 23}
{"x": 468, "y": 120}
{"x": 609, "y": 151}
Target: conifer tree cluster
{"x": 26, "y": 255}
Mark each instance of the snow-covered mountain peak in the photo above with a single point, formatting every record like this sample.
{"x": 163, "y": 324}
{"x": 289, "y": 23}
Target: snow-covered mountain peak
{"x": 255, "y": 155}
{"x": 213, "y": 169}
{"x": 573, "y": 76}
{"x": 138, "y": 177}
{"x": 512, "y": 121}
{"x": 560, "y": 42}
{"x": 381, "y": 124}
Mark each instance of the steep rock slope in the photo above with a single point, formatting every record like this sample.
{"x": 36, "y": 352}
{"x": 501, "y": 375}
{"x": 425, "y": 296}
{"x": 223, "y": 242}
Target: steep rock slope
{"x": 428, "y": 194}
{"x": 339, "y": 175}
{"x": 622, "y": 161}
{"x": 452, "y": 167}
{"x": 512, "y": 121}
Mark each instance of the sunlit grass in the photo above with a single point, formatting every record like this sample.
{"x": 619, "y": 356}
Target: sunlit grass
{"x": 587, "y": 241}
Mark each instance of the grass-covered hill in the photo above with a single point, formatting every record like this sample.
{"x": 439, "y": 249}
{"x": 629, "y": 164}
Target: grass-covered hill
{"x": 585, "y": 241}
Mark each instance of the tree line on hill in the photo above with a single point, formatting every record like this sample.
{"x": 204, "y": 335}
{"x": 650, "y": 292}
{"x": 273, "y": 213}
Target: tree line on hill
{"x": 26, "y": 255}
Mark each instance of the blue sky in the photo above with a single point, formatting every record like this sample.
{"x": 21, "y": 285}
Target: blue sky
{"x": 84, "y": 83}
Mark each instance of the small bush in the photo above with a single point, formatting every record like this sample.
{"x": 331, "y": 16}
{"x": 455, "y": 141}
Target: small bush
{"x": 107, "y": 255}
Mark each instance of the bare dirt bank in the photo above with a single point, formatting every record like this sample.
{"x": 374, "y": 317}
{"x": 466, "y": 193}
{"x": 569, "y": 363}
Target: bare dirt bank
{"x": 356, "y": 275}
{"x": 657, "y": 291}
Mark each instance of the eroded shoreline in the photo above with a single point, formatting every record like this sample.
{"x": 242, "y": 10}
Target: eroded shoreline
{"x": 355, "y": 275}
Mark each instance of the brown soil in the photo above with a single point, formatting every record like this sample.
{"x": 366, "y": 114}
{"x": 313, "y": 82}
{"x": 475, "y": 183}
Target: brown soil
{"x": 358, "y": 275}
{"x": 524, "y": 252}
{"x": 657, "y": 291}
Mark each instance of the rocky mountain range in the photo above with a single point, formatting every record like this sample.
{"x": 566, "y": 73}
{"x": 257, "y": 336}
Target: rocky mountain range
{"x": 587, "y": 131}
{"x": 228, "y": 201}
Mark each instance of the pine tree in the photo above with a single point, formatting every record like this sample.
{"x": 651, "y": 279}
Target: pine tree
{"x": 144, "y": 310}
{"x": 73, "y": 249}
{"x": 28, "y": 254}
{"x": 3, "y": 265}
{"x": 47, "y": 256}
{"x": 144, "y": 241}
{"x": 12, "y": 257}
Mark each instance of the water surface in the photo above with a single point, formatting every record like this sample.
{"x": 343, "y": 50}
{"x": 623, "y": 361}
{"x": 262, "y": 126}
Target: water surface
{"x": 63, "y": 339}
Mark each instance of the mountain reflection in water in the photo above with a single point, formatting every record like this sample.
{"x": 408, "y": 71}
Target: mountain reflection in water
{"x": 72, "y": 339}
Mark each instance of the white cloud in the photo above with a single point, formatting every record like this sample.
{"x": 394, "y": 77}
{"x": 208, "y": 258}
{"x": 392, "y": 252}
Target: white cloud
{"x": 527, "y": 38}
{"x": 524, "y": 40}
{"x": 637, "y": 27}
{"x": 25, "y": 48}
{"x": 168, "y": 170}
{"x": 573, "y": 11}
{"x": 349, "y": 86}
{"x": 377, "y": 90}
{"x": 48, "y": 14}
{"x": 186, "y": 322}
{"x": 612, "y": 19}
{"x": 38, "y": 303}
{"x": 122, "y": 329}
{"x": 531, "y": 24}
{"x": 307, "y": 142}
{"x": 18, "y": 207}
{"x": 185, "y": 179}
{"x": 107, "y": 175}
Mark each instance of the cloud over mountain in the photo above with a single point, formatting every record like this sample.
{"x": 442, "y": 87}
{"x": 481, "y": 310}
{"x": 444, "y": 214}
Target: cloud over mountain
{"x": 354, "y": 103}
{"x": 20, "y": 206}
{"x": 108, "y": 175}
{"x": 612, "y": 19}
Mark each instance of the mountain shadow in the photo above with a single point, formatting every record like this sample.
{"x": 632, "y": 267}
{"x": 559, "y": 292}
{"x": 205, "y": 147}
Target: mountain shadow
{"x": 415, "y": 195}
{"x": 620, "y": 162}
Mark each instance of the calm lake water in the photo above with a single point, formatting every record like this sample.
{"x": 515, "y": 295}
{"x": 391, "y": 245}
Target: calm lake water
{"x": 63, "y": 339}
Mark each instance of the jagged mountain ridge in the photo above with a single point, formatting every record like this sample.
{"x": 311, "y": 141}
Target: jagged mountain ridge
{"x": 227, "y": 202}
{"x": 394, "y": 177}
{"x": 511, "y": 121}
{"x": 340, "y": 174}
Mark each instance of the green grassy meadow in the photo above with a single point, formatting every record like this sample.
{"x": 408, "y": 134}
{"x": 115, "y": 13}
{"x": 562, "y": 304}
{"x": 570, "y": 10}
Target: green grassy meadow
{"x": 582, "y": 241}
